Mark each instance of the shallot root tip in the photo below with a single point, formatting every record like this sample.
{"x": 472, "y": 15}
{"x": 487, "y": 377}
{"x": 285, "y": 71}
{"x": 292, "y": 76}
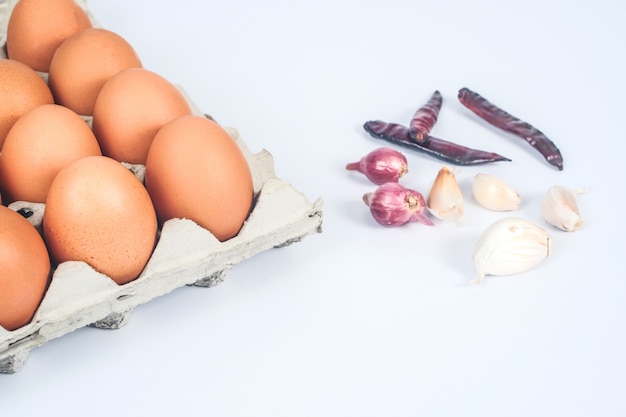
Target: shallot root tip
{"x": 367, "y": 197}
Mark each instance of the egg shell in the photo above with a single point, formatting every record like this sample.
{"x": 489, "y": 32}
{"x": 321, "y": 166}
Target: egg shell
{"x": 36, "y": 28}
{"x": 195, "y": 170}
{"x": 21, "y": 90}
{"x": 40, "y": 144}
{"x": 98, "y": 212}
{"x": 84, "y": 62}
{"x": 131, "y": 107}
{"x": 24, "y": 269}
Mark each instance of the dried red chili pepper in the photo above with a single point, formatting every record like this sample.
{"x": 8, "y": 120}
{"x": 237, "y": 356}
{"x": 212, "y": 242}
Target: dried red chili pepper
{"x": 439, "y": 148}
{"x": 425, "y": 118}
{"x": 503, "y": 120}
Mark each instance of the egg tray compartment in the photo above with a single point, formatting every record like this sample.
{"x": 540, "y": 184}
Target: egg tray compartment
{"x": 185, "y": 254}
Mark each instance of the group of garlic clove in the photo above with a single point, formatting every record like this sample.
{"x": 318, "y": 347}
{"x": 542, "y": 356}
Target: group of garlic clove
{"x": 513, "y": 245}
{"x": 558, "y": 206}
{"x": 510, "y": 245}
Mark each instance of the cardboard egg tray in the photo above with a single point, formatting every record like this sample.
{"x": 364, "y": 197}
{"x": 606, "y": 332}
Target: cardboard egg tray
{"x": 185, "y": 254}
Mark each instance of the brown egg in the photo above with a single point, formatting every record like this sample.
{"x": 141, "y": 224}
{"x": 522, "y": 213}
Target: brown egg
{"x": 21, "y": 89}
{"x": 39, "y": 145}
{"x": 130, "y": 109}
{"x": 98, "y": 212}
{"x": 36, "y": 28}
{"x": 83, "y": 63}
{"x": 24, "y": 269}
{"x": 195, "y": 170}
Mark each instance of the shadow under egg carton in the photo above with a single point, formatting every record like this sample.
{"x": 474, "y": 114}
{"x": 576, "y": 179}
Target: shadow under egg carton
{"x": 185, "y": 254}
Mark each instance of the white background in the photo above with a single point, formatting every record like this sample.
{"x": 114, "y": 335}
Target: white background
{"x": 363, "y": 320}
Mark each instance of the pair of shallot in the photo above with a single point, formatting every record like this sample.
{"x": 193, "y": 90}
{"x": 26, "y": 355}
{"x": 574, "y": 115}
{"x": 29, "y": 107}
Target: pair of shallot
{"x": 391, "y": 204}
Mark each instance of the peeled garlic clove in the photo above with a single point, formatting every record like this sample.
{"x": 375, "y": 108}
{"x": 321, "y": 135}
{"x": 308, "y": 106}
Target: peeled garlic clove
{"x": 445, "y": 200}
{"x": 560, "y": 209}
{"x": 494, "y": 194}
{"x": 510, "y": 246}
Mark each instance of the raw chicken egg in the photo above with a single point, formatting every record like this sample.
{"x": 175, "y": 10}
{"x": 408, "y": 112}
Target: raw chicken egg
{"x": 130, "y": 109}
{"x": 36, "y": 28}
{"x": 21, "y": 90}
{"x": 24, "y": 269}
{"x": 38, "y": 146}
{"x": 98, "y": 212}
{"x": 83, "y": 63}
{"x": 195, "y": 170}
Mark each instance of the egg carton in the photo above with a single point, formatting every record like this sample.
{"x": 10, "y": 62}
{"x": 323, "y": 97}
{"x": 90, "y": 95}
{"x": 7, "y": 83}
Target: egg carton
{"x": 185, "y": 255}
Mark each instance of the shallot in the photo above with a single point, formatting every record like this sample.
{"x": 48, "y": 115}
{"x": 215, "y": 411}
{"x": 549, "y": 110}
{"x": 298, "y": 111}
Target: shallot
{"x": 381, "y": 165}
{"x": 392, "y": 204}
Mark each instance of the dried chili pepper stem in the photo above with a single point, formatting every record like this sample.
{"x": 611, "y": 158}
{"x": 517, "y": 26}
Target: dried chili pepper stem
{"x": 511, "y": 124}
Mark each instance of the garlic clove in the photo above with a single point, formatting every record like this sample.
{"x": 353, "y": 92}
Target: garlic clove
{"x": 494, "y": 194}
{"x": 560, "y": 209}
{"x": 445, "y": 200}
{"x": 510, "y": 246}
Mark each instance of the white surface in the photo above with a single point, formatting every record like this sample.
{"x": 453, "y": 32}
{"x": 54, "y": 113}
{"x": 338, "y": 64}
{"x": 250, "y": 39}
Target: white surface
{"x": 364, "y": 320}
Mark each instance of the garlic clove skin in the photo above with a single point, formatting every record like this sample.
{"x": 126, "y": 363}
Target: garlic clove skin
{"x": 381, "y": 165}
{"x": 445, "y": 200}
{"x": 510, "y": 246}
{"x": 494, "y": 194}
{"x": 560, "y": 208}
{"x": 392, "y": 204}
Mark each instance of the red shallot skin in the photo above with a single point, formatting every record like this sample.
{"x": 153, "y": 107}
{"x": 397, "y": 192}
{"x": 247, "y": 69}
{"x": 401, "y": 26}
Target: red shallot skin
{"x": 392, "y": 204}
{"x": 382, "y": 165}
